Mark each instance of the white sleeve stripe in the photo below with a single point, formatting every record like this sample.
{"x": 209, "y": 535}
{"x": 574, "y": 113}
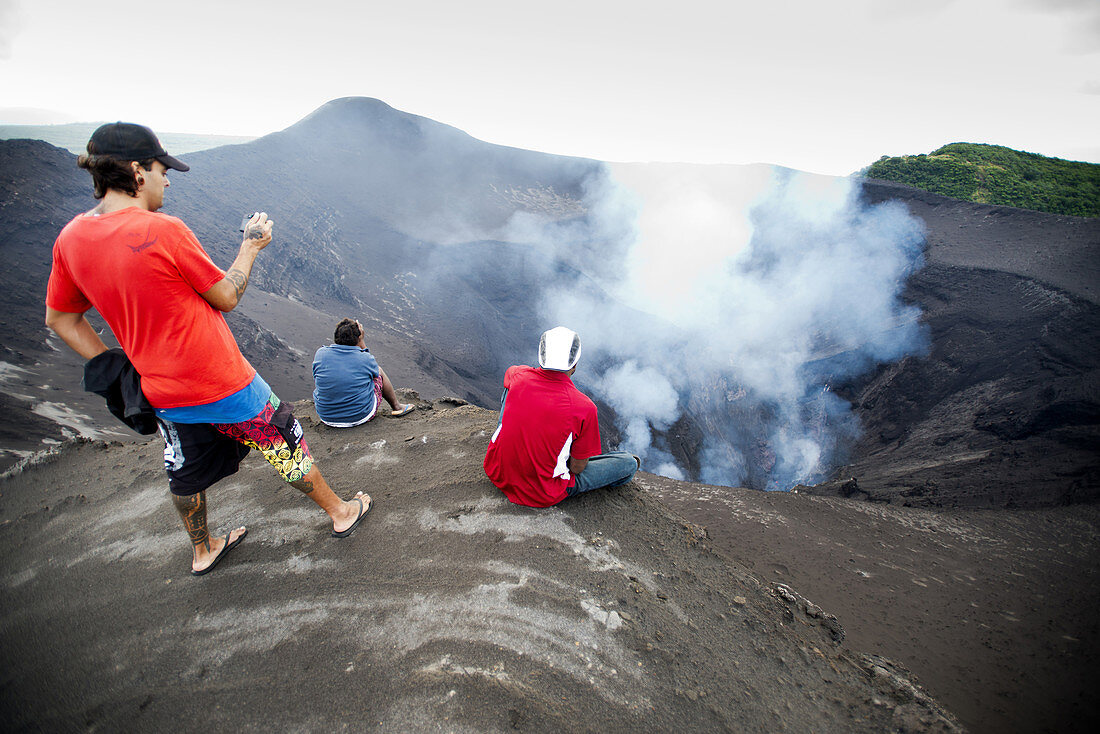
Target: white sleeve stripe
{"x": 561, "y": 469}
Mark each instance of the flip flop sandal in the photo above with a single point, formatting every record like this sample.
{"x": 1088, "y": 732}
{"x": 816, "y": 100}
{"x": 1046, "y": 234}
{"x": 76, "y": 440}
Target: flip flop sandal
{"x": 363, "y": 511}
{"x": 221, "y": 554}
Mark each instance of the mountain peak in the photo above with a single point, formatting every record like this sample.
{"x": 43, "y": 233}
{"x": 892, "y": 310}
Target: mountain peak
{"x": 360, "y": 118}
{"x": 355, "y": 106}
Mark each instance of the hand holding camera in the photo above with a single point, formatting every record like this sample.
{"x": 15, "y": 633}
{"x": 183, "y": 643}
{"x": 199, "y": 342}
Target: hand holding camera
{"x": 257, "y": 229}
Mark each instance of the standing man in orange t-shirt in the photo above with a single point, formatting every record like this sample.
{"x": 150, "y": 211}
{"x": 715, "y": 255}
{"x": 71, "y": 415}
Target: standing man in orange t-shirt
{"x": 163, "y": 297}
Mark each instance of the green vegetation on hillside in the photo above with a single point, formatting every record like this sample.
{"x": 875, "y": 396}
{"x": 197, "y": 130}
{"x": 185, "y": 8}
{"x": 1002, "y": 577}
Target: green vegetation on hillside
{"x": 992, "y": 174}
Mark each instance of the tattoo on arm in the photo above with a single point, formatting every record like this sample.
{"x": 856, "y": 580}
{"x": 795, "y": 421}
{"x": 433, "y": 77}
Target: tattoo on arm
{"x": 239, "y": 279}
{"x": 192, "y": 510}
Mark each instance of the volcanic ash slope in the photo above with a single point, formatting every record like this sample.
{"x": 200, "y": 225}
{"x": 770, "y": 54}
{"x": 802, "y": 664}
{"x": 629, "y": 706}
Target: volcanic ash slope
{"x": 448, "y": 609}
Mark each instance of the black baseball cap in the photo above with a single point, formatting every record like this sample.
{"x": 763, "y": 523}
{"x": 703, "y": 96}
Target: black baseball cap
{"x": 131, "y": 142}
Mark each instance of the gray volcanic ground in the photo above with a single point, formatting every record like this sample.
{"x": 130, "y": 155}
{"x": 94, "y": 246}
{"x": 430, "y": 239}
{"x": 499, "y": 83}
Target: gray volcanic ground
{"x": 928, "y": 367}
{"x": 449, "y": 608}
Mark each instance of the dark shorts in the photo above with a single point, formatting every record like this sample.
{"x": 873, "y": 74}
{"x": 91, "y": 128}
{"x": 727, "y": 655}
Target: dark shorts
{"x": 196, "y": 455}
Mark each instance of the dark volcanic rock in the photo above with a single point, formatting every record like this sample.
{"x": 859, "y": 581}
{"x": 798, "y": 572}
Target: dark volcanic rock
{"x": 1004, "y": 409}
{"x": 41, "y": 189}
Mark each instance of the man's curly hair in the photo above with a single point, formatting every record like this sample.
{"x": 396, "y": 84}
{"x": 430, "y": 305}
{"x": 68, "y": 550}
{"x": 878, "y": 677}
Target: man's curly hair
{"x": 347, "y": 333}
{"x": 111, "y": 173}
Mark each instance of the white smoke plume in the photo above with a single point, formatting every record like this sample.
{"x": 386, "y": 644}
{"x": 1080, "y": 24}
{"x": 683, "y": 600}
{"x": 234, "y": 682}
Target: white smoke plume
{"x": 736, "y": 296}
{"x": 643, "y": 396}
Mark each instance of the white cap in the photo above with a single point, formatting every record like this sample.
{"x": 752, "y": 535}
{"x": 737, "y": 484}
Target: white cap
{"x": 559, "y": 349}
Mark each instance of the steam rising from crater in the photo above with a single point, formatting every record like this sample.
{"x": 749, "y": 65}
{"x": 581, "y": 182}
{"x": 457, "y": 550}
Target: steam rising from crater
{"x": 738, "y": 295}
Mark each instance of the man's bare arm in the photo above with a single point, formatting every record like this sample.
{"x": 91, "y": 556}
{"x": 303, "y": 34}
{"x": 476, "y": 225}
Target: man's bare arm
{"x": 576, "y": 465}
{"x": 75, "y": 331}
{"x": 226, "y": 294}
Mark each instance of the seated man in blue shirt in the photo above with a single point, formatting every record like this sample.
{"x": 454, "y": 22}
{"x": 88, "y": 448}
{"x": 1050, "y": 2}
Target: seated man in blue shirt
{"x": 348, "y": 381}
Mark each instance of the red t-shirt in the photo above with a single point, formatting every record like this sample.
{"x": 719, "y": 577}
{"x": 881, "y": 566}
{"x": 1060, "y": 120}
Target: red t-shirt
{"x": 144, "y": 273}
{"x": 546, "y": 419}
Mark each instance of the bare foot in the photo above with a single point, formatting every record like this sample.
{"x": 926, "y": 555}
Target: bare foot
{"x": 355, "y": 510}
{"x": 205, "y": 560}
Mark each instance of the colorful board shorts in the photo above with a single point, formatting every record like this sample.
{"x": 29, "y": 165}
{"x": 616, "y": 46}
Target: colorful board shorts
{"x": 377, "y": 394}
{"x": 196, "y": 455}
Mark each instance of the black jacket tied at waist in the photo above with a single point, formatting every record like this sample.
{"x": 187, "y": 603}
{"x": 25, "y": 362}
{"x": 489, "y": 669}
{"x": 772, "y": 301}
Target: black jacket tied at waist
{"x": 112, "y": 376}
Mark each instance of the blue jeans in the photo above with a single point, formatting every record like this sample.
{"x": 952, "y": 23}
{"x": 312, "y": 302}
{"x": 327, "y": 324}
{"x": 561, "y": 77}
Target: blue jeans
{"x": 605, "y": 470}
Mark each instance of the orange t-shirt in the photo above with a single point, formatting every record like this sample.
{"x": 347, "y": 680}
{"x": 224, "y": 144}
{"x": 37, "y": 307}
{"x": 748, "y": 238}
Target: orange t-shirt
{"x": 144, "y": 272}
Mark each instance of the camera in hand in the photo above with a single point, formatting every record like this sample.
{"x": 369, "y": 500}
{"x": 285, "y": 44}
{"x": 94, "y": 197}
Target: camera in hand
{"x": 244, "y": 222}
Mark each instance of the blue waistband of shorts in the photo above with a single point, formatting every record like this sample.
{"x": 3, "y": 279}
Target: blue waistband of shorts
{"x": 243, "y": 405}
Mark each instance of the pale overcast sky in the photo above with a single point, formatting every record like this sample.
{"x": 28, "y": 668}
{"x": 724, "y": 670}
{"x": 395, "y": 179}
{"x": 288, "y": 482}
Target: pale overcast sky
{"x": 821, "y": 86}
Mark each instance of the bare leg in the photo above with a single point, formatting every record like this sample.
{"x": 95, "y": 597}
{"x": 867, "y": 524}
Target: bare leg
{"x": 388, "y": 392}
{"x": 343, "y": 513}
{"x": 192, "y": 510}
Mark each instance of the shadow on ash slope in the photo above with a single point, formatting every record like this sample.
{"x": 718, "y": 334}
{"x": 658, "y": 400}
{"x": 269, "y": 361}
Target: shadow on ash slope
{"x": 47, "y": 414}
{"x": 452, "y": 607}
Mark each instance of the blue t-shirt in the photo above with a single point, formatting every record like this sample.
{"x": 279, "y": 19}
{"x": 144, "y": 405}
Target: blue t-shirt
{"x": 343, "y": 376}
{"x": 243, "y": 405}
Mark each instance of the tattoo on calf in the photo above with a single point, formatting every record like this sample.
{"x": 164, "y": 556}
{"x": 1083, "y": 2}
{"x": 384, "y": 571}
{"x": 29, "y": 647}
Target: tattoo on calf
{"x": 238, "y": 279}
{"x": 303, "y": 485}
{"x": 192, "y": 510}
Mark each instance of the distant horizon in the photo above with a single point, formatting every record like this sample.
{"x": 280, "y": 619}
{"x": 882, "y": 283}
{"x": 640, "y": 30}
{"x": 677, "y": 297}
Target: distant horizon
{"x": 96, "y": 123}
{"x": 73, "y": 136}
{"x": 189, "y": 142}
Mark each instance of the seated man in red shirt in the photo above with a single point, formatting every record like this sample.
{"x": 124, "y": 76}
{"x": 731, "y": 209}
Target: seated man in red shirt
{"x": 547, "y": 445}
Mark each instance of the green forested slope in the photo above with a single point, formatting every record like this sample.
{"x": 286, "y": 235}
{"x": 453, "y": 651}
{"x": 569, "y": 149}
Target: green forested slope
{"x": 992, "y": 174}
